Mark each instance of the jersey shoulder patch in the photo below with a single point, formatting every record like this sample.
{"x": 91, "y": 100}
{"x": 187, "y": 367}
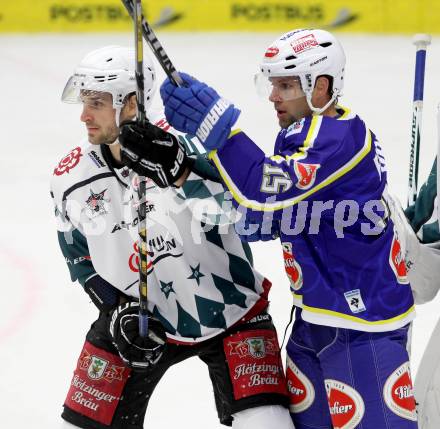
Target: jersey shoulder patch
{"x": 80, "y": 163}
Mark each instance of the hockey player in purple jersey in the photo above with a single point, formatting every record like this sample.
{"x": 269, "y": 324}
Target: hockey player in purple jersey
{"x": 324, "y": 193}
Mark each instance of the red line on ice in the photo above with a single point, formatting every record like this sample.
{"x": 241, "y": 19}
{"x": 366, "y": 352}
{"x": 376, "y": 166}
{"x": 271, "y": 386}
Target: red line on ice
{"x": 31, "y": 290}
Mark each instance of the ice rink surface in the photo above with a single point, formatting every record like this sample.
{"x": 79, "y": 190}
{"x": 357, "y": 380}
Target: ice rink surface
{"x": 44, "y": 317}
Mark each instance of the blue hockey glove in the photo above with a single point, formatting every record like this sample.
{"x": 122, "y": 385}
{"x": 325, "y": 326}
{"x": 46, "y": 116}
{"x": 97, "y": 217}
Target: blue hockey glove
{"x": 197, "y": 109}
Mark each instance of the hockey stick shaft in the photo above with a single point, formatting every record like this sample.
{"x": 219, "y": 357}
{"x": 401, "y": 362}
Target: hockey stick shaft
{"x": 438, "y": 161}
{"x": 155, "y": 46}
{"x": 142, "y": 213}
{"x": 421, "y": 41}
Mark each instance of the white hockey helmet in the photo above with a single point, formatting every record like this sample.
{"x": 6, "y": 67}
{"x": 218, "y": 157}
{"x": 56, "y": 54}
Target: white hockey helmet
{"x": 110, "y": 69}
{"x": 306, "y": 54}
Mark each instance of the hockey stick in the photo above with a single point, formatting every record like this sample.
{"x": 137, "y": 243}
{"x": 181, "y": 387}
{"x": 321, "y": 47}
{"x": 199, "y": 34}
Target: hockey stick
{"x": 421, "y": 41}
{"x": 142, "y": 205}
{"x": 155, "y": 45}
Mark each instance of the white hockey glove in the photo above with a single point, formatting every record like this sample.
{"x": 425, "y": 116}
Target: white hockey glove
{"x": 422, "y": 260}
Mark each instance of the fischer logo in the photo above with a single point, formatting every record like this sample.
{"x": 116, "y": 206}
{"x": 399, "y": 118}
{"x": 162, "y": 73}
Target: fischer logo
{"x": 300, "y": 388}
{"x": 397, "y": 261}
{"x": 212, "y": 118}
{"x": 293, "y": 269}
{"x": 271, "y": 52}
{"x": 306, "y": 174}
{"x": 304, "y": 43}
{"x": 346, "y": 404}
{"x": 399, "y": 394}
{"x": 69, "y": 162}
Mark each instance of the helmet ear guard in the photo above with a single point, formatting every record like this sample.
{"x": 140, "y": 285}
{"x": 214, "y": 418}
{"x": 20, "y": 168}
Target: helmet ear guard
{"x": 307, "y": 54}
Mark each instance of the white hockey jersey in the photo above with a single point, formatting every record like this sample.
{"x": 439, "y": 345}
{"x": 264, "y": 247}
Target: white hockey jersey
{"x": 200, "y": 275}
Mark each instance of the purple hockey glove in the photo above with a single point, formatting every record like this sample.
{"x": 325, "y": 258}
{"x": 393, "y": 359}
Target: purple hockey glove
{"x": 197, "y": 109}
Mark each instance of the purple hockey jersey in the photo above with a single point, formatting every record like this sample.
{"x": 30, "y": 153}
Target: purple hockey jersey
{"x": 325, "y": 190}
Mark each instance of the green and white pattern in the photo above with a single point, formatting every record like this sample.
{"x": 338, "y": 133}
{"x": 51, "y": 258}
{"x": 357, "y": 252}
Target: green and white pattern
{"x": 202, "y": 280}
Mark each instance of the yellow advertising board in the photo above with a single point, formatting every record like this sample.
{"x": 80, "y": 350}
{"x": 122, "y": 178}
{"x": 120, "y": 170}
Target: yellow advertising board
{"x": 372, "y": 16}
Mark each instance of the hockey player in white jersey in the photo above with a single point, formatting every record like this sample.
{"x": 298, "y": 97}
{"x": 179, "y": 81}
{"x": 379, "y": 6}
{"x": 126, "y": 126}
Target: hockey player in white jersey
{"x": 205, "y": 297}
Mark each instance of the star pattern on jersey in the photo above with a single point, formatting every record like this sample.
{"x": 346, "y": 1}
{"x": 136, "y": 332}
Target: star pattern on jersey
{"x": 166, "y": 288}
{"x": 196, "y": 274}
{"x": 96, "y": 202}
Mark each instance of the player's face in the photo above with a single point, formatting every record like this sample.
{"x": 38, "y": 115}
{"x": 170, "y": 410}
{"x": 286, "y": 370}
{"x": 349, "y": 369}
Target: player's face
{"x": 98, "y": 115}
{"x": 289, "y": 100}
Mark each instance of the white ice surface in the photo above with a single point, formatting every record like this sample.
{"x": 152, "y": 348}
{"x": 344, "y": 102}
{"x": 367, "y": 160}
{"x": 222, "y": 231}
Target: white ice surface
{"x": 43, "y": 317}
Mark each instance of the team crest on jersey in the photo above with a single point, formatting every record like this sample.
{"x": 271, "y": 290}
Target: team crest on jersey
{"x": 306, "y": 174}
{"x": 96, "y": 203}
{"x": 257, "y": 347}
{"x": 399, "y": 394}
{"x": 98, "y": 368}
{"x": 300, "y": 388}
{"x": 68, "y": 162}
{"x": 271, "y": 52}
{"x": 397, "y": 261}
{"x": 293, "y": 269}
{"x": 295, "y": 128}
{"x": 304, "y": 43}
{"x": 346, "y": 404}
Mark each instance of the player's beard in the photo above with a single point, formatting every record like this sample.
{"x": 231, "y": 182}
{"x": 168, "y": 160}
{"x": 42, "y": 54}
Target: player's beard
{"x": 107, "y": 136}
{"x": 286, "y": 122}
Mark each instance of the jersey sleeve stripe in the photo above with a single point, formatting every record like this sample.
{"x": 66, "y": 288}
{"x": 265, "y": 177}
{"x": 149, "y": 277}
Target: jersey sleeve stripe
{"x": 279, "y": 205}
{"x": 233, "y": 132}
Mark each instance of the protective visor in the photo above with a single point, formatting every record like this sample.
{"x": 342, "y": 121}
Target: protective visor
{"x": 85, "y": 89}
{"x": 284, "y": 88}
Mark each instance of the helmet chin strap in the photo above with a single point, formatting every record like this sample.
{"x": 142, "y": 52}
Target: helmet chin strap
{"x": 118, "y": 110}
{"x": 319, "y": 110}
